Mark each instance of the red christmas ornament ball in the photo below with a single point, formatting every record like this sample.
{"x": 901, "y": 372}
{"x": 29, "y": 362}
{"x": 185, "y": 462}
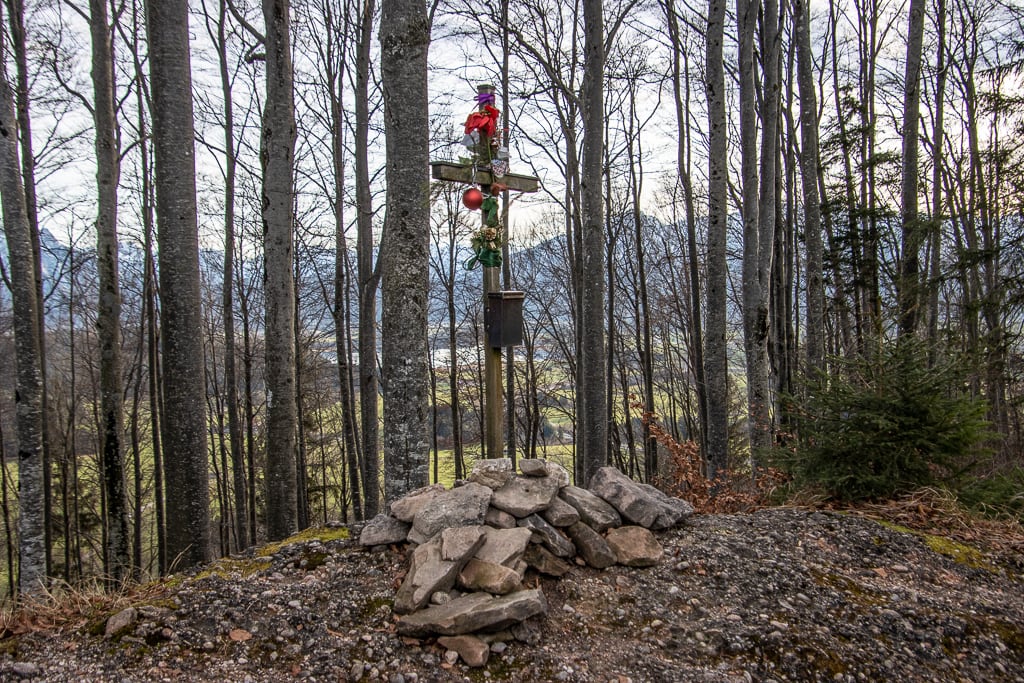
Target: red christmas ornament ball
{"x": 472, "y": 199}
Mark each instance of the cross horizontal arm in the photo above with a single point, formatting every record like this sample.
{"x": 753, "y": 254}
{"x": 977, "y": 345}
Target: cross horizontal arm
{"x": 463, "y": 173}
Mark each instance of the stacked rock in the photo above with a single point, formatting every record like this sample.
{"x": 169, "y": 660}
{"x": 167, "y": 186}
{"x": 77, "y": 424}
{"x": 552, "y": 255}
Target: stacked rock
{"x": 475, "y": 542}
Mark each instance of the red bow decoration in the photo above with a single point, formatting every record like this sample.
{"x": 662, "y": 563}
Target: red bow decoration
{"x": 485, "y": 121}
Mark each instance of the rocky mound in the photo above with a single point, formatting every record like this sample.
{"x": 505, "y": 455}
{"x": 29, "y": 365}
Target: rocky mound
{"x": 777, "y": 595}
{"x": 475, "y": 543}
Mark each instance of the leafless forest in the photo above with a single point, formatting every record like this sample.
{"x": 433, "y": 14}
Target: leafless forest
{"x": 235, "y": 306}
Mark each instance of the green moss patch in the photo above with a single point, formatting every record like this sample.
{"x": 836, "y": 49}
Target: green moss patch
{"x": 321, "y": 534}
{"x": 229, "y": 567}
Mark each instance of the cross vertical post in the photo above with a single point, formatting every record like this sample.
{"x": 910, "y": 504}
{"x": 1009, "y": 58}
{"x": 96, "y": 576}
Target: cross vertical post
{"x": 489, "y": 172}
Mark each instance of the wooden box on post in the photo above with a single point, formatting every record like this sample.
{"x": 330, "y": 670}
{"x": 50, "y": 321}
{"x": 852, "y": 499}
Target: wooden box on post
{"x": 504, "y": 321}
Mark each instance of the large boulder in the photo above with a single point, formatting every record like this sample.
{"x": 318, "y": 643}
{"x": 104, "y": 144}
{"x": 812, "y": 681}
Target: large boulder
{"x": 593, "y": 511}
{"x": 384, "y": 530}
{"x": 634, "y": 546}
{"x": 549, "y": 536}
{"x": 463, "y": 506}
{"x": 591, "y": 546}
{"x": 474, "y": 612}
{"x": 523, "y": 496}
{"x": 493, "y": 473}
{"x": 435, "y": 566}
{"x": 639, "y": 503}
{"x": 406, "y": 507}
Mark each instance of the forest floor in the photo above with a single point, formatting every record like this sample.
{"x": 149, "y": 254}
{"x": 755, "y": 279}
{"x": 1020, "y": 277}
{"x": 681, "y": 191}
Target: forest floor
{"x": 779, "y": 594}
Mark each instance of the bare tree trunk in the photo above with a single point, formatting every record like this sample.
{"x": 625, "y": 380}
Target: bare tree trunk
{"x": 108, "y": 316}
{"x": 149, "y": 294}
{"x": 184, "y": 423}
{"x": 249, "y": 406}
{"x": 716, "y": 357}
{"x": 935, "y": 231}
{"x": 405, "y": 39}
{"x": 301, "y": 485}
{"x": 277, "y": 153}
{"x": 8, "y": 527}
{"x": 29, "y": 386}
{"x": 815, "y": 327}
{"x": 367, "y": 273}
{"x": 755, "y": 318}
{"x": 16, "y": 19}
{"x": 908, "y": 285}
{"x": 242, "y": 538}
{"x": 337, "y": 60}
{"x": 681, "y": 98}
{"x": 593, "y": 370}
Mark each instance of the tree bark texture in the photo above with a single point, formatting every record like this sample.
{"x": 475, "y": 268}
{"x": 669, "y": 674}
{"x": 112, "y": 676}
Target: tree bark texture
{"x": 716, "y": 359}
{"x": 756, "y": 249}
{"x": 815, "y": 326}
{"x": 19, "y": 45}
{"x": 908, "y": 286}
{"x": 368, "y": 274}
{"x": 183, "y": 429}
{"x": 108, "y": 316}
{"x": 277, "y": 154}
{"x": 29, "y": 385}
{"x": 593, "y": 370}
{"x": 404, "y": 39}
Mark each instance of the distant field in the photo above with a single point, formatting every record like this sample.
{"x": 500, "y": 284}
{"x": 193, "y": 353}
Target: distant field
{"x": 561, "y": 453}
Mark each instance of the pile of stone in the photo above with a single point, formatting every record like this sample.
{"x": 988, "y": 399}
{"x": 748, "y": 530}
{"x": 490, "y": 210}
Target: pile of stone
{"x": 475, "y": 542}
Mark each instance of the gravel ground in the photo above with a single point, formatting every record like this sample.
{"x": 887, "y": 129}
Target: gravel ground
{"x": 776, "y": 595}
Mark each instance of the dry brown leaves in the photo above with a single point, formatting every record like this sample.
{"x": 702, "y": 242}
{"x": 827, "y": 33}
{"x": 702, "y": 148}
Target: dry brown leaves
{"x": 936, "y": 511}
{"x": 686, "y": 478}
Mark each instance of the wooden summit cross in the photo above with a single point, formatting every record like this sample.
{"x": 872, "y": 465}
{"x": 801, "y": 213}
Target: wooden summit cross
{"x": 502, "y": 310}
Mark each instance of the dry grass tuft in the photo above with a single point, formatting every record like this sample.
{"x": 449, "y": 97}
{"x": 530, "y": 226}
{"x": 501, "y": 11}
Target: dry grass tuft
{"x": 63, "y": 607}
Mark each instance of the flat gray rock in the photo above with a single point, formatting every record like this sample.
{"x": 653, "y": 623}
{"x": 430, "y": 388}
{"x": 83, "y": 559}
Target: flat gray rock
{"x": 384, "y": 530}
{"x": 493, "y": 473}
{"x": 459, "y": 543}
{"x": 474, "y": 612}
{"x": 560, "y": 513}
{"x": 406, "y": 507}
{"x": 560, "y": 474}
{"x": 464, "y": 506}
{"x": 594, "y": 511}
{"x": 634, "y": 546}
{"x": 430, "y": 572}
{"x": 533, "y": 467}
{"x": 545, "y": 562}
{"x": 641, "y": 504}
{"x": 488, "y": 577}
{"x": 499, "y": 519}
{"x": 591, "y": 546}
{"x": 523, "y": 496}
{"x": 120, "y": 621}
{"x": 549, "y": 536}
{"x": 503, "y": 546}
